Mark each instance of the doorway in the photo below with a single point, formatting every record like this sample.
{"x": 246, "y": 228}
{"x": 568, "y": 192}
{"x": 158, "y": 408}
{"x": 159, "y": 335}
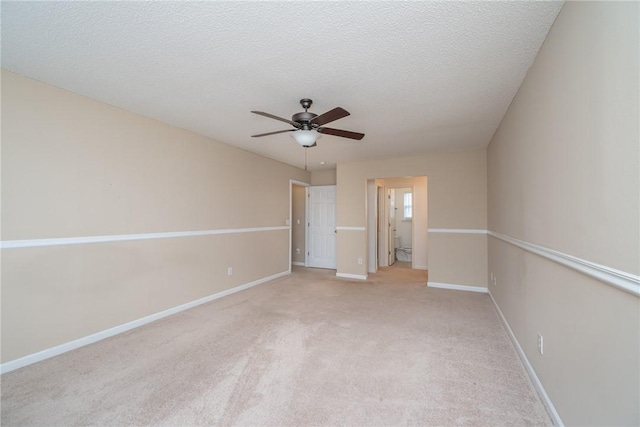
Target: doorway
{"x": 399, "y": 217}
{"x": 403, "y": 228}
{"x": 399, "y": 208}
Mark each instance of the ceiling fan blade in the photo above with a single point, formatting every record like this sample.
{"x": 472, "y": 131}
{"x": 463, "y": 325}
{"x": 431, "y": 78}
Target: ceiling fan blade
{"x": 329, "y": 116}
{"x": 342, "y": 133}
{"x": 273, "y": 133}
{"x": 271, "y": 116}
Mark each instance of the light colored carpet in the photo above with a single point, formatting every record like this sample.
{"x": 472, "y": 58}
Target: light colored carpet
{"x": 306, "y": 349}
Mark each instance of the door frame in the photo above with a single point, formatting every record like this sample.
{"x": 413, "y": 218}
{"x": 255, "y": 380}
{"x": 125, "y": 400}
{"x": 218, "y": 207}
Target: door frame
{"x": 385, "y": 239}
{"x": 293, "y": 182}
{"x": 420, "y": 225}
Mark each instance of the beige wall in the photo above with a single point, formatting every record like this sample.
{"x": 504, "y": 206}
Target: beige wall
{"x": 564, "y": 174}
{"x": 75, "y": 167}
{"x": 323, "y": 177}
{"x": 457, "y": 198}
{"x": 298, "y": 206}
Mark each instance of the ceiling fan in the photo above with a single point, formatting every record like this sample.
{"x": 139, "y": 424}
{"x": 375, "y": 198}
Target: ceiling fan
{"x": 308, "y": 127}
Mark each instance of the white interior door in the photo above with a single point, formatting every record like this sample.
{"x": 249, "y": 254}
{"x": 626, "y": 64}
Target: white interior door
{"x": 392, "y": 225}
{"x": 322, "y": 227}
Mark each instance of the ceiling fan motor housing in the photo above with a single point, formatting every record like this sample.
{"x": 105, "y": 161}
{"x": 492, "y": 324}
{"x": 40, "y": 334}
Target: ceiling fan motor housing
{"x": 304, "y": 118}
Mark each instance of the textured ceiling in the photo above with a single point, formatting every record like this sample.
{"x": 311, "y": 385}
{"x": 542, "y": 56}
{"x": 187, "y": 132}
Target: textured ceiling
{"x": 416, "y": 76}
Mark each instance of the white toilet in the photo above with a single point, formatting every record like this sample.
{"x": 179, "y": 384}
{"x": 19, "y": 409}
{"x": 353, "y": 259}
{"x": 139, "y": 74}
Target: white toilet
{"x": 402, "y": 254}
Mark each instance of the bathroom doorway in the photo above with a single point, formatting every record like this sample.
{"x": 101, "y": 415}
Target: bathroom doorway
{"x": 397, "y": 222}
{"x": 401, "y": 202}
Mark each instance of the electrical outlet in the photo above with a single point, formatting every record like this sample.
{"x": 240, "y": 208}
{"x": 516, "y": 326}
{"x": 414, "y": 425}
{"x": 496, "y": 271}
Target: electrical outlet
{"x": 359, "y": 261}
{"x": 298, "y": 251}
{"x": 491, "y": 277}
{"x": 229, "y": 271}
{"x": 540, "y": 344}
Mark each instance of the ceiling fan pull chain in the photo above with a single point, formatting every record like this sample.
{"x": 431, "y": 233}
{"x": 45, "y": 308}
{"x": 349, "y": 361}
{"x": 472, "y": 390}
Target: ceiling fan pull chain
{"x": 305, "y": 158}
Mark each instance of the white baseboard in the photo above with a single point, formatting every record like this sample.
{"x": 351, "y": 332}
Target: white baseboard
{"x": 457, "y": 287}
{"x": 555, "y": 417}
{"x": 300, "y": 264}
{"x": 420, "y": 267}
{"x": 352, "y": 276}
{"x": 90, "y": 339}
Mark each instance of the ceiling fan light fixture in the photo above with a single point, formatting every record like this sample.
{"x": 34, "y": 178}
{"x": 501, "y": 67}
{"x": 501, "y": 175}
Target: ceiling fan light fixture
{"x": 306, "y": 138}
